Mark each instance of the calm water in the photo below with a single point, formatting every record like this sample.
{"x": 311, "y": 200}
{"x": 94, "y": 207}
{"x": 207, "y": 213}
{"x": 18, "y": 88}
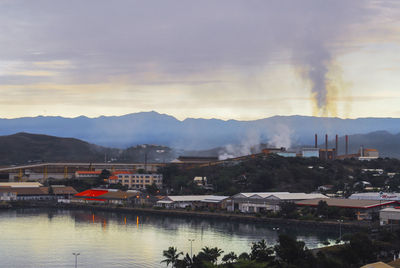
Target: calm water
{"x": 43, "y": 238}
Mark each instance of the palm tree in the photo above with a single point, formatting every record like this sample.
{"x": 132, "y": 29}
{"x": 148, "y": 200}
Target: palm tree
{"x": 230, "y": 257}
{"x": 260, "y": 251}
{"x": 171, "y": 256}
{"x": 210, "y": 254}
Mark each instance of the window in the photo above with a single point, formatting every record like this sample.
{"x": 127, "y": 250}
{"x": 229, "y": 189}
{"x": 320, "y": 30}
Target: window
{"x": 141, "y": 181}
{"x": 119, "y": 181}
{"x": 119, "y": 176}
{"x": 147, "y": 181}
{"x": 137, "y": 181}
{"x": 126, "y": 176}
{"x": 147, "y": 177}
{"x": 126, "y": 181}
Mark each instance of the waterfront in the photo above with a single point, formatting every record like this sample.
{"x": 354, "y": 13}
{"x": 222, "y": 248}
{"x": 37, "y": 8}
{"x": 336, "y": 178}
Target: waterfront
{"x": 47, "y": 238}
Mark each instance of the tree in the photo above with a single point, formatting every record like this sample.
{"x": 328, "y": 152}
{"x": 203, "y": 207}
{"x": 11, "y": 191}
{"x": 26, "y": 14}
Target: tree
{"x": 293, "y": 253}
{"x": 171, "y": 256}
{"x": 210, "y": 254}
{"x": 244, "y": 256}
{"x": 103, "y": 177}
{"x": 152, "y": 189}
{"x": 230, "y": 257}
{"x": 261, "y": 252}
{"x": 322, "y": 208}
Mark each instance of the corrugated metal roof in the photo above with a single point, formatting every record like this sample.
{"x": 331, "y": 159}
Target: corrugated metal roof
{"x": 188, "y": 198}
{"x": 345, "y": 203}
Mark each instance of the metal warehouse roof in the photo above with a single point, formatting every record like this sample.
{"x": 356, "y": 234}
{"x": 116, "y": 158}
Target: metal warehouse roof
{"x": 20, "y": 184}
{"x": 190, "y": 198}
{"x": 279, "y": 195}
{"x": 376, "y": 196}
{"x": 261, "y": 194}
{"x": 345, "y": 203}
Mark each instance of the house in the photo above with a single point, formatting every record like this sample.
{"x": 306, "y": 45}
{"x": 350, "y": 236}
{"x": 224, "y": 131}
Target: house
{"x": 192, "y": 201}
{"x": 363, "y": 209}
{"x": 266, "y": 201}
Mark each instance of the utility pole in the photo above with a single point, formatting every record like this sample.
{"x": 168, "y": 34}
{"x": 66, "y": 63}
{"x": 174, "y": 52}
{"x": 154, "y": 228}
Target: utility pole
{"x": 191, "y": 247}
{"x": 76, "y": 258}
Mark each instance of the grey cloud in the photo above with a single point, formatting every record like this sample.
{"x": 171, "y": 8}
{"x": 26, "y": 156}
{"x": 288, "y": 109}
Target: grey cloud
{"x": 104, "y": 39}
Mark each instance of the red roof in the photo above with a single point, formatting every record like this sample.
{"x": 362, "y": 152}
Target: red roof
{"x": 89, "y": 172}
{"x": 91, "y": 193}
{"x": 113, "y": 178}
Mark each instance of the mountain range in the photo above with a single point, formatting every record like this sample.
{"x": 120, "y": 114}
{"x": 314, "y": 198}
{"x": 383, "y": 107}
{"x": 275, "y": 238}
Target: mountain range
{"x": 203, "y": 134}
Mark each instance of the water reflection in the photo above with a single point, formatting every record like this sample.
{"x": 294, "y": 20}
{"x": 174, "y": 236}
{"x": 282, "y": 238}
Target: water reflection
{"x": 42, "y": 238}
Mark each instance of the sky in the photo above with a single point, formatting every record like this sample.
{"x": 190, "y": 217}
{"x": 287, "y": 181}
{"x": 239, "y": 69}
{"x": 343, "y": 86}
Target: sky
{"x": 226, "y": 59}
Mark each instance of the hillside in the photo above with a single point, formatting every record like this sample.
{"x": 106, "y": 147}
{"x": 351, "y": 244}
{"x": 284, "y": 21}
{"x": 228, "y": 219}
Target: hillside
{"x": 24, "y": 148}
{"x": 195, "y": 134}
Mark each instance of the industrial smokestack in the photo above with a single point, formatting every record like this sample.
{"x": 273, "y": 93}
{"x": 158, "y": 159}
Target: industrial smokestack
{"x": 316, "y": 141}
{"x": 337, "y": 146}
{"x": 326, "y": 146}
{"x": 347, "y": 144}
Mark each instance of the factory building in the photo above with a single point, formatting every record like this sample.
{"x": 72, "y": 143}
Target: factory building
{"x": 310, "y": 152}
{"x": 266, "y": 201}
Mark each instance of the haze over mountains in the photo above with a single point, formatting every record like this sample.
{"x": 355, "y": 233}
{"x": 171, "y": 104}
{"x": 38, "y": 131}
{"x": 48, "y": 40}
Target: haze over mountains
{"x": 202, "y": 134}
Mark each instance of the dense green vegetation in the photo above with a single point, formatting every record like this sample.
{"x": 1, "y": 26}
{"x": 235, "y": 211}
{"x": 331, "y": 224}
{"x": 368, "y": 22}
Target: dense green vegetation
{"x": 359, "y": 249}
{"x": 274, "y": 173}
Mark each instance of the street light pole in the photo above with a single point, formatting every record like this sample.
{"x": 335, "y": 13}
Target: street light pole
{"x": 340, "y": 229}
{"x": 76, "y": 258}
{"x": 191, "y": 247}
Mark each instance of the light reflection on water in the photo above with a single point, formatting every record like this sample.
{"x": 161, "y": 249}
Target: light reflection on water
{"x": 43, "y": 238}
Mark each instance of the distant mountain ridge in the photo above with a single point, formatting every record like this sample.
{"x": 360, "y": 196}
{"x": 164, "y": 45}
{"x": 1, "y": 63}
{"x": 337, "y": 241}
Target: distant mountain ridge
{"x": 194, "y": 134}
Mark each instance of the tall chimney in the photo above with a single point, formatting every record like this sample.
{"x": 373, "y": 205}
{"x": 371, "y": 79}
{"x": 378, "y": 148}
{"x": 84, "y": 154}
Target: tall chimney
{"x": 337, "y": 146}
{"x": 347, "y": 144}
{"x": 326, "y": 146}
{"x": 316, "y": 141}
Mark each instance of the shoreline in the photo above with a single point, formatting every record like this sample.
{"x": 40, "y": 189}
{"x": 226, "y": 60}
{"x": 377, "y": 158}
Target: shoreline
{"x": 350, "y": 225}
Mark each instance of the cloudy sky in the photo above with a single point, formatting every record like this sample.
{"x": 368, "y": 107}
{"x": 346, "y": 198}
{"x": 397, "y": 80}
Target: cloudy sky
{"x": 225, "y": 59}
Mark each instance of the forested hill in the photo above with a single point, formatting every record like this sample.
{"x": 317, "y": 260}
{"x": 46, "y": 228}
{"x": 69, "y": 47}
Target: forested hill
{"x": 23, "y": 148}
{"x": 275, "y": 173}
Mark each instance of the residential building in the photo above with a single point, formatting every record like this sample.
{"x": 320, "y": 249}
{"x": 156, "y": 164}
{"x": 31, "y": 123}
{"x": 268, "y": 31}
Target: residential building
{"x": 136, "y": 181}
{"x": 266, "y": 201}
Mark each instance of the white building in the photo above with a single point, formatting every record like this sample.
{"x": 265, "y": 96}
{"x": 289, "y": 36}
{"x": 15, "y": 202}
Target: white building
{"x": 136, "y": 181}
{"x": 310, "y": 152}
{"x": 267, "y": 201}
{"x": 8, "y": 194}
{"x": 389, "y": 216}
{"x": 184, "y": 201}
